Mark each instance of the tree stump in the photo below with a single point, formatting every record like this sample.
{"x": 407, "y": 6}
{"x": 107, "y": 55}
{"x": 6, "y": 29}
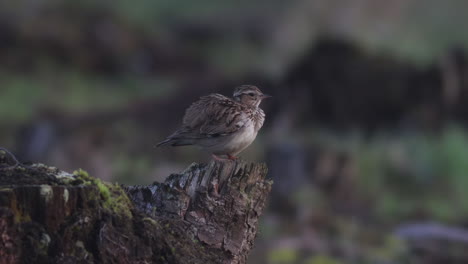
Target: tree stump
{"x": 207, "y": 214}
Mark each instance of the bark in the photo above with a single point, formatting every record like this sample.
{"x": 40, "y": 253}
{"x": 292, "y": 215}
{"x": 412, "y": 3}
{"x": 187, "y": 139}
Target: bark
{"x": 206, "y": 214}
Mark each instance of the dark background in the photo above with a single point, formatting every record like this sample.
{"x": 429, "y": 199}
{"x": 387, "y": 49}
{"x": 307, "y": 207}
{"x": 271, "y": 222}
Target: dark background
{"x": 365, "y": 136}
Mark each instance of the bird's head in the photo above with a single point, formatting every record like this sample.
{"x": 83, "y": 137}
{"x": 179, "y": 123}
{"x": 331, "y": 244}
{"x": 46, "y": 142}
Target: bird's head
{"x": 249, "y": 95}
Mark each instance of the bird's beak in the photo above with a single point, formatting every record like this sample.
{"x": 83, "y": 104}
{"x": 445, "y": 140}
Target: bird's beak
{"x": 264, "y": 96}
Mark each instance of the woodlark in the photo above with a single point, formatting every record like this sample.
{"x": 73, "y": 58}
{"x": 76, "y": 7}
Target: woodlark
{"x": 221, "y": 125}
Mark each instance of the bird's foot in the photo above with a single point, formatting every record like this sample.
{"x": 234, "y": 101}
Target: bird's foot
{"x": 217, "y": 158}
{"x": 229, "y": 157}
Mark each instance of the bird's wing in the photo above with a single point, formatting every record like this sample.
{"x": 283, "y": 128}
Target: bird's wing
{"x": 214, "y": 115}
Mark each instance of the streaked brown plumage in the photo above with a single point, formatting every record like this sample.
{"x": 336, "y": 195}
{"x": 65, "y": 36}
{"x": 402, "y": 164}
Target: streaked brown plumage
{"x": 222, "y": 125}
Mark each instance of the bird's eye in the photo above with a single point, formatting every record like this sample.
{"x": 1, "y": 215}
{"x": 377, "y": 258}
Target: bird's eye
{"x": 252, "y": 94}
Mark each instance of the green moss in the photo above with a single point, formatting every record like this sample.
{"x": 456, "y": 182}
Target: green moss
{"x": 80, "y": 173}
{"x": 103, "y": 190}
{"x": 118, "y": 201}
{"x": 152, "y": 221}
{"x": 113, "y": 197}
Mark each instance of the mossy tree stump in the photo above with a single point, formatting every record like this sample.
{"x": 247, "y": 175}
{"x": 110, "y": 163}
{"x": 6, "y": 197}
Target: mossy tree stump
{"x": 206, "y": 214}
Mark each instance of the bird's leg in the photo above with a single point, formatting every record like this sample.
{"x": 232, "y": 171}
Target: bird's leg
{"x": 229, "y": 157}
{"x": 217, "y": 158}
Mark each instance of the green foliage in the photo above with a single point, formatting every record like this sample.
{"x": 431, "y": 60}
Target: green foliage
{"x": 390, "y": 250}
{"x": 410, "y": 172}
{"x": 283, "y": 256}
{"x": 321, "y": 259}
{"x": 21, "y": 96}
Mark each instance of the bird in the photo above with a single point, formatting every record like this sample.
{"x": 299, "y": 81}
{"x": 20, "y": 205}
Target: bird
{"x": 221, "y": 125}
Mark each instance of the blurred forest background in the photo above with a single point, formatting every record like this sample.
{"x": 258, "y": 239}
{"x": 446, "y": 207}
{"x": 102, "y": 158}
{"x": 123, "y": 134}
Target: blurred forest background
{"x": 365, "y": 137}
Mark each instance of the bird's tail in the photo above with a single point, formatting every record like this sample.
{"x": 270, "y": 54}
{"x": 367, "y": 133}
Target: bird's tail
{"x": 164, "y": 142}
{"x": 180, "y": 138}
{"x": 175, "y": 142}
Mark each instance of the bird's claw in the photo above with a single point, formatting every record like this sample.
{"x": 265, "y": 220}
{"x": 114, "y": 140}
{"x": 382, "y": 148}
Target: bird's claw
{"x": 229, "y": 157}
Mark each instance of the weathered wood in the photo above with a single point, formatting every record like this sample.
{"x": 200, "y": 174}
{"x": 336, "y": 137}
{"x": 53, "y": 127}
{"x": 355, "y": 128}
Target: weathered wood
{"x": 206, "y": 214}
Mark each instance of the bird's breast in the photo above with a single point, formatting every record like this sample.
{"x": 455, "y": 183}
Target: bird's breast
{"x": 246, "y": 135}
{"x": 242, "y": 139}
